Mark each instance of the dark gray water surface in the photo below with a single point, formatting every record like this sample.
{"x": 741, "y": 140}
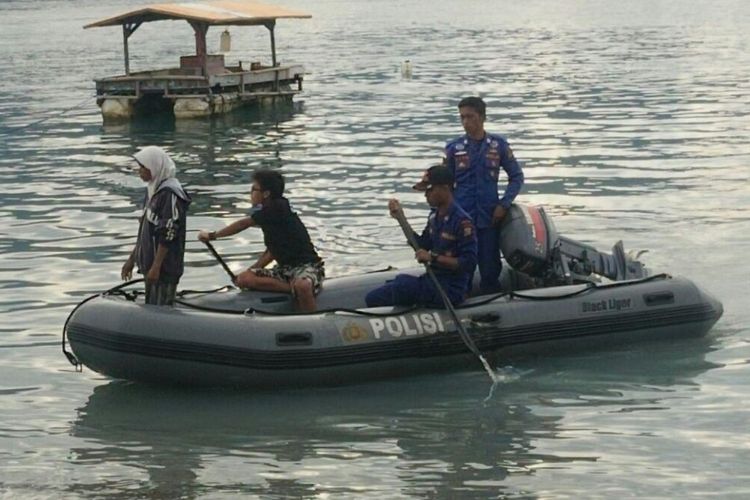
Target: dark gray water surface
{"x": 632, "y": 120}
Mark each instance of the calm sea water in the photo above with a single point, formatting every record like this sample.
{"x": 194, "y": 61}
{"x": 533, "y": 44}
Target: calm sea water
{"x": 632, "y": 120}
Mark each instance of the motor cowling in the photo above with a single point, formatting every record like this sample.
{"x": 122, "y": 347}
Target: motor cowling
{"x": 530, "y": 244}
{"x": 527, "y": 239}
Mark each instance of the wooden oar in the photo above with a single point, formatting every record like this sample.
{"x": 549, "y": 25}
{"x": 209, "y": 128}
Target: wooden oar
{"x": 221, "y": 261}
{"x": 465, "y": 337}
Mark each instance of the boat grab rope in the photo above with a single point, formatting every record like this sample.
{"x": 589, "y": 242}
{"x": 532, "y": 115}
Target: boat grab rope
{"x": 119, "y": 290}
{"x": 209, "y": 308}
{"x": 115, "y": 290}
{"x": 360, "y": 312}
{"x": 224, "y": 288}
{"x": 252, "y": 311}
{"x": 132, "y": 295}
{"x": 341, "y": 310}
{"x": 589, "y": 287}
{"x": 513, "y": 295}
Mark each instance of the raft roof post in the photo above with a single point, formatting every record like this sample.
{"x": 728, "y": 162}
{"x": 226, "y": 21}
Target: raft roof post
{"x": 200, "y": 43}
{"x": 271, "y": 25}
{"x": 127, "y": 30}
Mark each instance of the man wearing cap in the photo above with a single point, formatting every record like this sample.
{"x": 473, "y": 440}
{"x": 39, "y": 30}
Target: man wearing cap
{"x": 448, "y": 244}
{"x": 475, "y": 159}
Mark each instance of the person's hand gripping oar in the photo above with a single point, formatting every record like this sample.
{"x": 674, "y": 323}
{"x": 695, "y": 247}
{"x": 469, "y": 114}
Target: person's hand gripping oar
{"x": 205, "y": 239}
{"x": 398, "y": 214}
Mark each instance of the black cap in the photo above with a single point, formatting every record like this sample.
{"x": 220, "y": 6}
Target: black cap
{"x": 436, "y": 175}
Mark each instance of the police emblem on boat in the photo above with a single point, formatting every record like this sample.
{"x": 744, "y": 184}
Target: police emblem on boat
{"x": 392, "y": 327}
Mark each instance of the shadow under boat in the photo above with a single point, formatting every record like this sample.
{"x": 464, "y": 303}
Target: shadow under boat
{"x": 171, "y": 435}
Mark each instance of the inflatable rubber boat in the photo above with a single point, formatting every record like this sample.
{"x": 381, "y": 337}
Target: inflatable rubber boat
{"x": 556, "y": 294}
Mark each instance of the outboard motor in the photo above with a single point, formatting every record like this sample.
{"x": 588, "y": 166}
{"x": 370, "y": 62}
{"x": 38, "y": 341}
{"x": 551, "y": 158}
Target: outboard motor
{"x": 531, "y": 245}
{"x": 527, "y": 240}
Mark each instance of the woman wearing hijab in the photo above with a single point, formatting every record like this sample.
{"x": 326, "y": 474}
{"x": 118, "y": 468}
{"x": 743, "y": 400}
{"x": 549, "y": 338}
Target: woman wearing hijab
{"x": 160, "y": 248}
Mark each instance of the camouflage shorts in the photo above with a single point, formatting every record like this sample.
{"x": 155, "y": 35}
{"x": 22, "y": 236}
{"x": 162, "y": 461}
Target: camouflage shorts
{"x": 315, "y": 272}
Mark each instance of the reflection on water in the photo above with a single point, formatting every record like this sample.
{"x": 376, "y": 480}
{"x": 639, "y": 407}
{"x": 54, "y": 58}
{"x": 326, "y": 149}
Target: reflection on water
{"x": 417, "y": 436}
{"x": 631, "y": 121}
{"x": 166, "y": 128}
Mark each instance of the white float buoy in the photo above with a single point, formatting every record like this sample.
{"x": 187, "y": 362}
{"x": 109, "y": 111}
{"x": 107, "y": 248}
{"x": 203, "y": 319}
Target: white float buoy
{"x": 225, "y": 43}
{"x": 406, "y": 69}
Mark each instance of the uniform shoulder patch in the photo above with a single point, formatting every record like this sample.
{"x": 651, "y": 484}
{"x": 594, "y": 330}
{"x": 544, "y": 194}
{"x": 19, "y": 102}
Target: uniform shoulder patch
{"x": 509, "y": 152}
{"x": 467, "y": 228}
{"x": 453, "y": 142}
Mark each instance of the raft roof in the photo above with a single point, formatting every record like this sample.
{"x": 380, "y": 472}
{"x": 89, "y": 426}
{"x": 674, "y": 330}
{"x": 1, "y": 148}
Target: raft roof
{"x": 213, "y": 13}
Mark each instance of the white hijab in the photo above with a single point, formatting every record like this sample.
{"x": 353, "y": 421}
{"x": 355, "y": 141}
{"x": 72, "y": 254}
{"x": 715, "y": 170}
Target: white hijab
{"x": 162, "y": 168}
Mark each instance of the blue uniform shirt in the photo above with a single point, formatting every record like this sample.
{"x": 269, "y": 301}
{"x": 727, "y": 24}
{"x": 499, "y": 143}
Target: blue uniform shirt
{"x": 453, "y": 235}
{"x": 476, "y": 169}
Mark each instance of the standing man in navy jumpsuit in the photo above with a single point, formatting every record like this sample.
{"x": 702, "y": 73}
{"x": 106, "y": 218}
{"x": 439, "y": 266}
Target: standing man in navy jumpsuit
{"x": 475, "y": 160}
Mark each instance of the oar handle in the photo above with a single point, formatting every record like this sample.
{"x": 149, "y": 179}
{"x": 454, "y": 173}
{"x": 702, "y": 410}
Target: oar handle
{"x": 398, "y": 214}
{"x": 406, "y": 228}
{"x": 220, "y": 260}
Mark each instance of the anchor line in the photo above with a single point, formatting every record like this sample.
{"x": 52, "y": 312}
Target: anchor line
{"x": 56, "y": 115}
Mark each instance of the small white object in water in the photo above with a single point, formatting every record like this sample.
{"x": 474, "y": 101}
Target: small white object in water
{"x": 406, "y": 69}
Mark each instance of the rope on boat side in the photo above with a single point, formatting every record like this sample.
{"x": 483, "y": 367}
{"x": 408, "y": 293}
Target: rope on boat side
{"x": 69, "y": 354}
{"x": 251, "y": 311}
{"x": 182, "y": 293}
{"x": 209, "y": 309}
{"x": 589, "y": 287}
{"x": 491, "y": 298}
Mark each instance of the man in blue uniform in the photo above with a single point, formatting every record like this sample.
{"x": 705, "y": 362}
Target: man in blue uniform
{"x": 448, "y": 244}
{"x": 475, "y": 159}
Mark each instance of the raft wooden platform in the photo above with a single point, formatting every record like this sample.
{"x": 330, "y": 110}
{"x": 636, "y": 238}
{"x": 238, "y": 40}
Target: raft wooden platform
{"x": 202, "y": 85}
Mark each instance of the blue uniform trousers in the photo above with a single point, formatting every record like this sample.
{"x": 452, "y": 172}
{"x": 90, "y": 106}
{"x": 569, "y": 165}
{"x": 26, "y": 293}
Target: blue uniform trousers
{"x": 488, "y": 259}
{"x": 406, "y": 290}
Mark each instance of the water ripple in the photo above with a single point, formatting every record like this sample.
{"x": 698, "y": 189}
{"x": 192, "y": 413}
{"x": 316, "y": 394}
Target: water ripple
{"x": 631, "y": 121}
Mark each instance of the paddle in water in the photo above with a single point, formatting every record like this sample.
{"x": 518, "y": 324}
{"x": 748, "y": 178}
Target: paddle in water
{"x": 465, "y": 337}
